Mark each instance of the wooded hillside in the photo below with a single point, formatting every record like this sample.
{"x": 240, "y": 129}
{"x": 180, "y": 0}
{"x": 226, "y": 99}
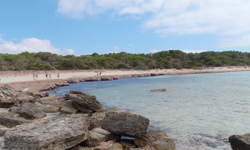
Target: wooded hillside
{"x": 164, "y": 59}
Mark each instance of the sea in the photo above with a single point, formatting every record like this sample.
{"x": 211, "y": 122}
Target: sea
{"x": 198, "y": 111}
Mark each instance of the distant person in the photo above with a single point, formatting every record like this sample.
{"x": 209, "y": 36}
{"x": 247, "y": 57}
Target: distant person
{"x": 58, "y": 75}
{"x": 46, "y": 74}
{"x": 100, "y": 73}
{"x": 34, "y": 76}
{"x": 37, "y": 76}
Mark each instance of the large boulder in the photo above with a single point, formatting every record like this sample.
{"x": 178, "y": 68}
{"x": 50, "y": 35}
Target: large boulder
{"x": 31, "y": 111}
{"x": 97, "y": 136}
{"x": 240, "y": 142}
{"x": 7, "y": 96}
{"x": 60, "y": 133}
{"x": 84, "y": 102}
{"x": 126, "y": 124}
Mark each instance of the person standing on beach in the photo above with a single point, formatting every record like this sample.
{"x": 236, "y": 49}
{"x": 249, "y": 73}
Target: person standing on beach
{"x": 34, "y": 76}
{"x": 46, "y": 74}
{"x": 58, "y": 75}
{"x": 37, "y": 76}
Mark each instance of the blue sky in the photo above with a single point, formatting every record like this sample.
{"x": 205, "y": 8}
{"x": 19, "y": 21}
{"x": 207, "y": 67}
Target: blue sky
{"x": 82, "y": 27}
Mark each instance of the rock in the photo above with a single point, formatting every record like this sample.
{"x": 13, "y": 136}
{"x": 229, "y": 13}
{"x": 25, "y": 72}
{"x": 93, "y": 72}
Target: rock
{"x": 41, "y": 94}
{"x": 140, "y": 142}
{"x": 97, "y": 118}
{"x": 158, "y": 90}
{"x": 106, "y": 78}
{"x": 240, "y": 142}
{"x": 127, "y": 143}
{"x": 50, "y": 102}
{"x": 31, "y": 111}
{"x": 160, "y": 140}
{"x": 97, "y": 136}
{"x": 117, "y": 146}
{"x": 62, "y": 133}
{"x": 68, "y": 108}
{"x": 84, "y": 102}
{"x": 24, "y": 97}
{"x": 7, "y": 96}
{"x": 10, "y": 122}
{"x": 3, "y": 130}
{"x": 92, "y": 79}
{"x": 2, "y": 143}
{"x": 73, "y": 80}
{"x": 126, "y": 124}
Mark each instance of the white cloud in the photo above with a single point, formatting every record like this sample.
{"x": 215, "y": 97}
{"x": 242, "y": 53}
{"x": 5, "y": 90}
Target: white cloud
{"x": 131, "y": 45}
{"x": 221, "y": 17}
{"x": 193, "y": 51}
{"x": 116, "y": 47}
{"x": 29, "y": 45}
{"x": 70, "y": 51}
{"x": 154, "y": 50}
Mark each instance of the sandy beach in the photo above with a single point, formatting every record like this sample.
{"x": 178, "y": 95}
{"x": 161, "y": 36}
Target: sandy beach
{"x": 23, "y": 80}
{"x": 23, "y": 76}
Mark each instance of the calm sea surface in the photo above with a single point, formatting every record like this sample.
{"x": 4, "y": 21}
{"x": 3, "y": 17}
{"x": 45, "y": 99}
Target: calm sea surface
{"x": 199, "y": 111}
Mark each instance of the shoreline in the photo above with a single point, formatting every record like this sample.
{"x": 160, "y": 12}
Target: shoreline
{"x": 23, "y": 80}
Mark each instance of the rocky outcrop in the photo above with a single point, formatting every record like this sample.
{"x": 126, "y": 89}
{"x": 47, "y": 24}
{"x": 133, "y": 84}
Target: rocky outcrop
{"x": 240, "y": 142}
{"x": 126, "y": 124}
{"x": 8, "y": 121}
{"x": 158, "y": 90}
{"x": 7, "y": 96}
{"x": 97, "y": 136}
{"x": 3, "y": 130}
{"x": 24, "y": 97}
{"x": 62, "y": 133}
{"x": 67, "y": 107}
{"x": 84, "y": 102}
{"x": 73, "y": 80}
{"x": 31, "y": 111}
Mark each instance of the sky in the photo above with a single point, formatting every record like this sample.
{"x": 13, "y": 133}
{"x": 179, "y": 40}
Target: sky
{"x": 83, "y": 27}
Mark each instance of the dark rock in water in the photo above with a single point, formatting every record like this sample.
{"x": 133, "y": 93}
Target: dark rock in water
{"x": 10, "y": 122}
{"x": 31, "y": 111}
{"x": 126, "y": 124}
{"x": 97, "y": 136}
{"x": 106, "y": 78}
{"x": 84, "y": 102}
{"x": 58, "y": 134}
{"x": 158, "y": 90}
{"x": 160, "y": 140}
{"x": 7, "y": 96}
{"x": 240, "y": 142}
{"x": 68, "y": 108}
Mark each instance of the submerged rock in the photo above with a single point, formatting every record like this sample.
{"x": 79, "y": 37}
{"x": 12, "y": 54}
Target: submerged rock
{"x": 158, "y": 90}
{"x": 240, "y": 142}
{"x": 160, "y": 140}
{"x": 60, "y": 133}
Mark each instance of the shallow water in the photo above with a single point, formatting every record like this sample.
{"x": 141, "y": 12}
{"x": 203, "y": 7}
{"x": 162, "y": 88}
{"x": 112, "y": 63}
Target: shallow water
{"x": 199, "y": 111}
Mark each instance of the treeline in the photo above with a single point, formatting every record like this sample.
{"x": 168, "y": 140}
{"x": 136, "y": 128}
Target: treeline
{"x": 164, "y": 59}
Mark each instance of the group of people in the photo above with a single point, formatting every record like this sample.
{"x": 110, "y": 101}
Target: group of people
{"x": 47, "y": 75}
{"x": 99, "y": 73}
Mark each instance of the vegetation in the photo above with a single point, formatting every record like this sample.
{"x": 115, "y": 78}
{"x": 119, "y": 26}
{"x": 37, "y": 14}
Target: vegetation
{"x": 164, "y": 59}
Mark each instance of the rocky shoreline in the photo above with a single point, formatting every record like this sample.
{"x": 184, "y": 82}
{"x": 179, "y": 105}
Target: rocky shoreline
{"x": 30, "y": 118}
{"x": 33, "y": 119}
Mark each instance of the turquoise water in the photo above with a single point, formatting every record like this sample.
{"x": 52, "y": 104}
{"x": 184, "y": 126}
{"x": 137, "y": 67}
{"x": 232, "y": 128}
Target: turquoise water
{"x": 199, "y": 111}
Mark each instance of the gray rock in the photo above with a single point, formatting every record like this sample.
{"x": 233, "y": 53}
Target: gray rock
{"x": 24, "y": 97}
{"x": 68, "y": 108}
{"x": 62, "y": 133}
{"x": 240, "y": 142}
{"x": 49, "y": 101}
{"x": 160, "y": 140}
{"x": 7, "y": 96}
{"x": 126, "y": 124}
{"x": 158, "y": 90}
{"x": 97, "y": 136}
{"x": 73, "y": 80}
{"x": 31, "y": 111}
{"x": 84, "y": 102}
{"x": 3, "y": 130}
{"x": 41, "y": 94}
{"x": 10, "y": 122}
